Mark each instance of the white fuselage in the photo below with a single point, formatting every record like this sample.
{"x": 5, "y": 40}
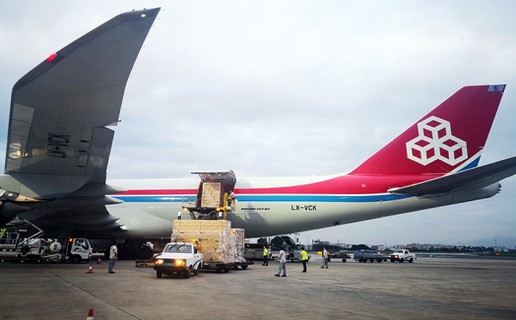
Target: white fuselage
{"x": 148, "y": 210}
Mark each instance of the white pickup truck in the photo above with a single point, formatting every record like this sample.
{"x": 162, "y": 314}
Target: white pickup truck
{"x": 402, "y": 255}
{"x": 178, "y": 258}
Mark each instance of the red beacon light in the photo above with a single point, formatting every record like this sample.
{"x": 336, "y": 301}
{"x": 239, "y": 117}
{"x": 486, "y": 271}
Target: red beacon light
{"x": 52, "y": 57}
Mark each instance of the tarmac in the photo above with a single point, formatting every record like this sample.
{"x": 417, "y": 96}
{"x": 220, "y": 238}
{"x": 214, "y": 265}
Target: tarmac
{"x": 430, "y": 288}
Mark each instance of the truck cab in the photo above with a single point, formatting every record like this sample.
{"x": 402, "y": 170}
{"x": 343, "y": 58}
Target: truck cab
{"x": 77, "y": 250}
{"x": 402, "y": 255}
{"x": 178, "y": 258}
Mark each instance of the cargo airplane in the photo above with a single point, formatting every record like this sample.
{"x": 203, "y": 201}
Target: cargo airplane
{"x": 59, "y": 143}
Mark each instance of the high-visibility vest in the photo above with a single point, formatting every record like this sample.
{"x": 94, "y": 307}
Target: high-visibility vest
{"x": 265, "y": 252}
{"x": 304, "y": 255}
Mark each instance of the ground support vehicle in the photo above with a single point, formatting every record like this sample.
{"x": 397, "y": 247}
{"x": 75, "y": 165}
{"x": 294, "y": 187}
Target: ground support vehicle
{"x": 368, "y": 255}
{"x": 21, "y": 240}
{"x": 77, "y": 250}
{"x": 178, "y": 258}
{"x": 402, "y": 255}
{"x": 254, "y": 251}
{"x": 222, "y": 246}
{"x": 339, "y": 255}
{"x": 288, "y": 244}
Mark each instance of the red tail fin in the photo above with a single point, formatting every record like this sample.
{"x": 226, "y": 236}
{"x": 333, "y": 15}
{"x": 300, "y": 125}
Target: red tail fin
{"x": 450, "y": 137}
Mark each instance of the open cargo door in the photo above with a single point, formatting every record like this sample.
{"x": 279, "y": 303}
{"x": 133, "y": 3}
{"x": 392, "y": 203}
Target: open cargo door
{"x": 215, "y": 195}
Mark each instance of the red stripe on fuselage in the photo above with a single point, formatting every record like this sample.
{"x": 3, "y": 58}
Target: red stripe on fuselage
{"x": 139, "y": 192}
{"x": 348, "y": 184}
{"x": 343, "y": 185}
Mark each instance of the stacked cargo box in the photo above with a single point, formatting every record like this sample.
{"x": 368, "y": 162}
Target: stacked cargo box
{"x": 215, "y": 239}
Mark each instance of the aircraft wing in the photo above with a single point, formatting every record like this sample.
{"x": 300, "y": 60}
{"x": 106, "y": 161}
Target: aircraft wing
{"x": 478, "y": 177}
{"x": 60, "y": 110}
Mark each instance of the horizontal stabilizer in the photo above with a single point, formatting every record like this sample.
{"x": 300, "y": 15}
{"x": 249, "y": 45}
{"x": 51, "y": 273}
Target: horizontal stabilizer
{"x": 479, "y": 177}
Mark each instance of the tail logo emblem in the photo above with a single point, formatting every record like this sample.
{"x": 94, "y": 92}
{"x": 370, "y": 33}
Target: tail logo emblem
{"x": 436, "y": 142}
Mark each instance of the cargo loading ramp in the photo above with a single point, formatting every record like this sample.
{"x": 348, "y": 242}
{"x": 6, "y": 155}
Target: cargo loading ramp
{"x": 215, "y": 196}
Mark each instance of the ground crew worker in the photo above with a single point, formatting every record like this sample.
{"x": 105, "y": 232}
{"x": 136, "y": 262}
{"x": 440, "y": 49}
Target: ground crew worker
{"x": 325, "y": 258}
{"x": 197, "y": 243}
{"x": 231, "y": 200}
{"x": 304, "y": 258}
{"x": 265, "y": 256}
{"x": 282, "y": 259}
{"x": 113, "y": 256}
{"x": 2, "y": 232}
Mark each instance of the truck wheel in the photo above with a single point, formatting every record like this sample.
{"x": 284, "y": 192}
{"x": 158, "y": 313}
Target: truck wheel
{"x": 25, "y": 250}
{"x": 75, "y": 259}
{"x": 411, "y": 260}
{"x": 379, "y": 260}
{"x": 402, "y": 260}
{"x": 244, "y": 267}
{"x": 195, "y": 271}
{"x": 392, "y": 260}
{"x": 343, "y": 260}
{"x": 159, "y": 274}
{"x": 187, "y": 274}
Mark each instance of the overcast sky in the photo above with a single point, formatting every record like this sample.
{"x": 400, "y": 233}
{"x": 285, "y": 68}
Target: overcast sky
{"x": 287, "y": 88}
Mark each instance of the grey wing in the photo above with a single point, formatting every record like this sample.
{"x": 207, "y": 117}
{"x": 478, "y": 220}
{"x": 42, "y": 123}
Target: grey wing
{"x": 60, "y": 110}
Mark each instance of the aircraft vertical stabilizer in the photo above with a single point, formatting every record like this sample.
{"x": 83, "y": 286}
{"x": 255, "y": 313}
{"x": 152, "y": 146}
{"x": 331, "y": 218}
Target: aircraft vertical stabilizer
{"x": 449, "y": 138}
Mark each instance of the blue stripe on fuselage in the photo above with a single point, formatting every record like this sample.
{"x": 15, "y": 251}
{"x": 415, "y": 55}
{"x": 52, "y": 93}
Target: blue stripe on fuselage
{"x": 275, "y": 198}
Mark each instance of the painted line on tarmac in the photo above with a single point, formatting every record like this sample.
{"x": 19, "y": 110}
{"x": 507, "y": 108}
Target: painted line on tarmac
{"x": 94, "y": 296}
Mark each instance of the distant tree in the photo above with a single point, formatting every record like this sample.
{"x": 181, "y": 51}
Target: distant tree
{"x": 360, "y": 247}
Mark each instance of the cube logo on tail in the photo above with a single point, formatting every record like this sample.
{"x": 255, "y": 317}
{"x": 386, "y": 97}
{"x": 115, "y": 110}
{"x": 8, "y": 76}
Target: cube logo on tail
{"x": 435, "y": 141}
